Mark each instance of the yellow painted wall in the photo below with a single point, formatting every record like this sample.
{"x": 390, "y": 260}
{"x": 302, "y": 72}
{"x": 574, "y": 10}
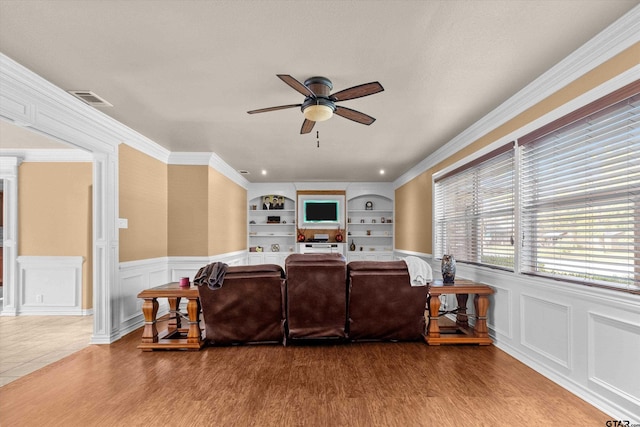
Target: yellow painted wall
{"x": 188, "y": 210}
{"x": 55, "y": 216}
{"x": 143, "y": 190}
{"x": 413, "y": 228}
{"x": 227, "y": 215}
{"x": 413, "y": 214}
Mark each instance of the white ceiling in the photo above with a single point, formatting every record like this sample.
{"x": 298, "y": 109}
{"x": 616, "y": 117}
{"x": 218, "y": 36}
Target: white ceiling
{"x": 184, "y": 73}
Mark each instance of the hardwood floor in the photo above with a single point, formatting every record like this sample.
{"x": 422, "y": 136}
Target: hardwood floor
{"x": 368, "y": 384}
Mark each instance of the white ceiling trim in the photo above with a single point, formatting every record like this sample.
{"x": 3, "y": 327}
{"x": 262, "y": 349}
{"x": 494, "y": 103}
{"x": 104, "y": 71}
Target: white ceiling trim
{"x": 620, "y": 35}
{"x": 606, "y": 88}
{"x": 51, "y": 110}
{"x": 48, "y": 155}
{"x": 207, "y": 159}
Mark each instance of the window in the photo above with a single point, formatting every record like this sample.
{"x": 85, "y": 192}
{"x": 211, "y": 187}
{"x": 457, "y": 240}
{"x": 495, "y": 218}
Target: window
{"x": 577, "y": 199}
{"x": 474, "y": 211}
{"x": 580, "y": 195}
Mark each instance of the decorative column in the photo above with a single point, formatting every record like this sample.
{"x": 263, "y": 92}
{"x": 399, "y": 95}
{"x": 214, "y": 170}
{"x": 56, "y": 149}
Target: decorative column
{"x": 11, "y": 296}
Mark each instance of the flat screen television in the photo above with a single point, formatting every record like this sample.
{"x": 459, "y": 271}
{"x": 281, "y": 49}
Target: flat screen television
{"x": 319, "y": 211}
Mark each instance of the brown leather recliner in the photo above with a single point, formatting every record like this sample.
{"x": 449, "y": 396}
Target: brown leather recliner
{"x": 247, "y": 308}
{"x": 316, "y": 296}
{"x": 382, "y": 303}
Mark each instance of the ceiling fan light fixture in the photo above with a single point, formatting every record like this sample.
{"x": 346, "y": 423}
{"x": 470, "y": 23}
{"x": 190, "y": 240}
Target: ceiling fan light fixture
{"x": 318, "y": 112}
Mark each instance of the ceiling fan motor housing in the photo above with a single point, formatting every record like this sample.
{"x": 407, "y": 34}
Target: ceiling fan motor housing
{"x": 321, "y": 103}
{"x": 321, "y": 86}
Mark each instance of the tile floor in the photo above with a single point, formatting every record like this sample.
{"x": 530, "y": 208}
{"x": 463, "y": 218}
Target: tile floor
{"x": 28, "y": 343}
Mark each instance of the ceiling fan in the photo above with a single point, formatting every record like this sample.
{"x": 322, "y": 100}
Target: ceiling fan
{"x": 319, "y": 104}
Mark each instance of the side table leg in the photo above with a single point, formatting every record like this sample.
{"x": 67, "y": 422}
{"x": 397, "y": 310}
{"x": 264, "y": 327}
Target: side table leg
{"x": 433, "y": 331}
{"x": 174, "y": 317}
{"x": 462, "y": 319}
{"x": 193, "y": 309}
{"x": 150, "y": 311}
{"x": 481, "y": 303}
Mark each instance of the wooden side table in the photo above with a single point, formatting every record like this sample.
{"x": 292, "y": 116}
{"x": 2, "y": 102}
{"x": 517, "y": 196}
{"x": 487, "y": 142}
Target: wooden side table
{"x": 461, "y": 332}
{"x": 176, "y": 337}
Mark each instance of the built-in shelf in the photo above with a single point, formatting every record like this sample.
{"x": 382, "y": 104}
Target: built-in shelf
{"x": 271, "y": 232}
{"x": 370, "y": 229}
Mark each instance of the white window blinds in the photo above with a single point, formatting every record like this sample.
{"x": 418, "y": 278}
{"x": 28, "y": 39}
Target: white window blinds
{"x": 474, "y": 211}
{"x": 580, "y": 195}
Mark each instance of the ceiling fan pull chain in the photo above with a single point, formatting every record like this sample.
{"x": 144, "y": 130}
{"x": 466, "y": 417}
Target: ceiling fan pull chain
{"x": 318, "y": 138}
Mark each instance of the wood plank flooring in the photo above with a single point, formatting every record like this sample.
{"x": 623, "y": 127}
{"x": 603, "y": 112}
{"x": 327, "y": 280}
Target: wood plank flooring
{"x": 368, "y": 384}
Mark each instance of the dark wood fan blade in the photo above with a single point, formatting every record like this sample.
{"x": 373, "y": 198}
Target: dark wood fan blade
{"x": 296, "y": 85}
{"x": 357, "y": 91}
{"x": 307, "y": 126}
{"x": 281, "y": 107}
{"x": 354, "y": 115}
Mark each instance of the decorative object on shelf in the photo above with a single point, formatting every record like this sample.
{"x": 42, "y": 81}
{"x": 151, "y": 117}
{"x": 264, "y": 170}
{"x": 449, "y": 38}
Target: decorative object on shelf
{"x": 252, "y": 222}
{"x": 301, "y": 236}
{"x": 368, "y": 232}
{"x": 389, "y": 221}
{"x": 349, "y": 220}
{"x": 258, "y": 248}
{"x": 254, "y": 207}
{"x": 273, "y": 220}
{"x": 360, "y": 248}
{"x": 352, "y": 246}
{"x": 373, "y": 221}
{"x": 339, "y": 236}
{"x": 272, "y": 202}
{"x": 368, "y": 205}
{"x": 362, "y": 221}
{"x": 275, "y": 247}
{"x": 448, "y": 268}
{"x": 284, "y": 221}
{"x": 382, "y": 220}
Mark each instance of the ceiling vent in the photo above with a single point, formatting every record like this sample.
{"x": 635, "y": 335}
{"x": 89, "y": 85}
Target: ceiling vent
{"x": 243, "y": 172}
{"x": 90, "y": 98}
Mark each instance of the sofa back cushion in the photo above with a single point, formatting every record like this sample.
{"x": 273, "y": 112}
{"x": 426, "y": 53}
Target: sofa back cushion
{"x": 248, "y": 307}
{"x": 382, "y": 303}
{"x": 316, "y": 296}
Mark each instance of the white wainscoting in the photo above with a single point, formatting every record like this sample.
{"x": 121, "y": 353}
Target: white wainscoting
{"x": 585, "y": 339}
{"x": 50, "y": 285}
{"x": 136, "y": 276}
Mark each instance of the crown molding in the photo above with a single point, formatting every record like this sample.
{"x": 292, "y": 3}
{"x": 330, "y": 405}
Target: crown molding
{"x": 208, "y": 159}
{"x": 48, "y": 155}
{"x": 225, "y": 169}
{"x": 620, "y": 35}
{"x": 189, "y": 158}
{"x": 29, "y": 100}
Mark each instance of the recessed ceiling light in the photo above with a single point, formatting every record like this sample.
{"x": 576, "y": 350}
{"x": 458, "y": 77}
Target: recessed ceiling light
{"x": 264, "y": 172}
{"x": 381, "y": 171}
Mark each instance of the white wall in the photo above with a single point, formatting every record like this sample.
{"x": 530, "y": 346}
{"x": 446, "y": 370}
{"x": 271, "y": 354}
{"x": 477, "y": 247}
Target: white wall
{"x": 136, "y": 276}
{"x": 586, "y": 339}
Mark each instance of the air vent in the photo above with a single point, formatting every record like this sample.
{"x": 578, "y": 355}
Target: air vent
{"x": 90, "y": 98}
{"x": 243, "y": 172}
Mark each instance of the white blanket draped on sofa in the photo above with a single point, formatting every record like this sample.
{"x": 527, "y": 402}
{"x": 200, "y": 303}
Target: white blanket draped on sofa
{"x": 420, "y": 272}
